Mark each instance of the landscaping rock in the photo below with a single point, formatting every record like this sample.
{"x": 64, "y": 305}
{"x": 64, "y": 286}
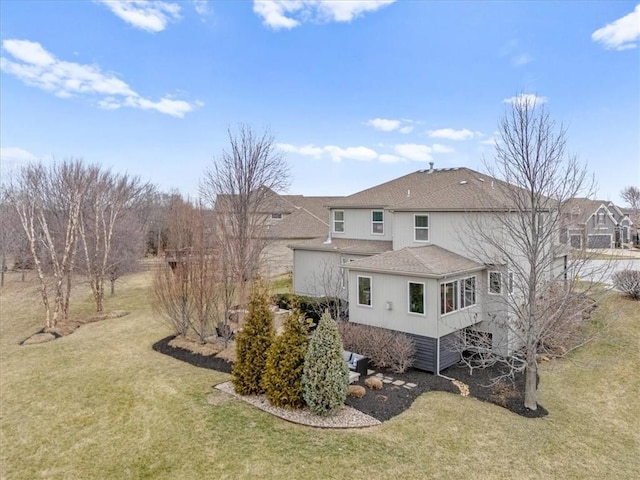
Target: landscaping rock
{"x": 373, "y": 383}
{"x": 356, "y": 391}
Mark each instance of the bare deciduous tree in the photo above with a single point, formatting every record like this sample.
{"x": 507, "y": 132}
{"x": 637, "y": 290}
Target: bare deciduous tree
{"x": 48, "y": 201}
{"x": 521, "y": 241}
{"x": 110, "y": 197}
{"x": 11, "y": 237}
{"x": 239, "y": 184}
{"x": 330, "y": 282}
{"x": 192, "y": 291}
{"x": 631, "y": 195}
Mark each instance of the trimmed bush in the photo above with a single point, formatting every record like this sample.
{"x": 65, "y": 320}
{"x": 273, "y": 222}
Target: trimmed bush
{"x": 252, "y": 345}
{"x": 385, "y": 348}
{"x": 310, "y": 307}
{"x": 628, "y": 282}
{"x": 282, "y": 379}
{"x": 325, "y": 378}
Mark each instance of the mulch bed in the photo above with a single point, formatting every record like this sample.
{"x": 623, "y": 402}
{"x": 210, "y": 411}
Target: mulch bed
{"x": 392, "y": 400}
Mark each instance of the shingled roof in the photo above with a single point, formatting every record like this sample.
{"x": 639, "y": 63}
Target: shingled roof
{"x": 345, "y": 245}
{"x": 426, "y": 261}
{"x": 580, "y": 209}
{"x": 447, "y": 189}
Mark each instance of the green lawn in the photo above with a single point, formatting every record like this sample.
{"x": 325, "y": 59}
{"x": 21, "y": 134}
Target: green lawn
{"x": 101, "y": 403}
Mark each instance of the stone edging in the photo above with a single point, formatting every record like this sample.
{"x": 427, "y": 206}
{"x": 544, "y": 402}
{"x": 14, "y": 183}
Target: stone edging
{"x": 347, "y": 417}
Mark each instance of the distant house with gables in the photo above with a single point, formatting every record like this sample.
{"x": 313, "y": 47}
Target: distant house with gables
{"x": 595, "y": 224}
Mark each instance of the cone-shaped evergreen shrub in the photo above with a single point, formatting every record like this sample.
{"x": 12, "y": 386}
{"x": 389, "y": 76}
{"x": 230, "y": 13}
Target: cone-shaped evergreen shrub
{"x": 252, "y": 344}
{"x": 325, "y": 378}
{"x": 282, "y": 379}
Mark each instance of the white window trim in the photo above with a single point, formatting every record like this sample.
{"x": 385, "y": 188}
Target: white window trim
{"x": 475, "y": 292}
{"x": 370, "y": 305}
{"x": 428, "y": 229}
{"x": 489, "y": 282}
{"x": 460, "y": 295}
{"x": 374, "y": 222}
{"x": 333, "y": 222}
{"x": 424, "y": 299}
{"x": 457, "y": 299}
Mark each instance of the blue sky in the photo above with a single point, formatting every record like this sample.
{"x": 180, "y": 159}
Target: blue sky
{"x": 354, "y": 92}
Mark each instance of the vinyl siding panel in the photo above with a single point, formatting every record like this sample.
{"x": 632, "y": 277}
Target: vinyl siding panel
{"x": 393, "y": 290}
{"x": 451, "y": 230}
{"x": 426, "y": 348}
{"x": 357, "y": 224}
{"x": 307, "y": 268}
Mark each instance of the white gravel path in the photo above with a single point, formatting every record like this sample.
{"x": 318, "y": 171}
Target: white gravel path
{"x": 347, "y": 417}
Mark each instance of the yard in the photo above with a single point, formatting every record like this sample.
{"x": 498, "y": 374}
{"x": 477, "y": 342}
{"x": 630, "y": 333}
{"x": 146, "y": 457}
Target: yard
{"x": 101, "y": 403}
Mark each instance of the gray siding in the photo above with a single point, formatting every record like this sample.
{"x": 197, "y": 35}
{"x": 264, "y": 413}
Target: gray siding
{"x": 426, "y": 347}
{"x": 357, "y": 224}
{"x": 308, "y": 271}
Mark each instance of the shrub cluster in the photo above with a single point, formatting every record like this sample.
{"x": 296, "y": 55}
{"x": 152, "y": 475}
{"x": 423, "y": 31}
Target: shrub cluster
{"x": 385, "y": 348}
{"x": 252, "y": 345}
{"x": 310, "y": 307}
{"x": 282, "y": 379}
{"x": 325, "y": 378}
{"x": 628, "y": 282}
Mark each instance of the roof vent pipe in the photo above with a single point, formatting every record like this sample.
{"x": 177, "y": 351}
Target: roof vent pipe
{"x": 430, "y": 167}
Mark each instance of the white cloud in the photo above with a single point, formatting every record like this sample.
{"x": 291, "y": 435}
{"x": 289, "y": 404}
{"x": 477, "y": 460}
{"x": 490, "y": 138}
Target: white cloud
{"x": 620, "y": 34}
{"x": 414, "y": 151}
{"x": 513, "y": 50}
{"x": 15, "y": 155}
{"x": 148, "y": 15}
{"x": 451, "y": 134}
{"x": 351, "y": 153}
{"x": 39, "y": 68}
{"x": 202, "y": 7}
{"x": 384, "y": 124}
{"x": 521, "y": 59}
{"x": 389, "y": 125}
{"x": 439, "y": 148}
{"x": 387, "y": 158}
{"x": 333, "y": 152}
{"x": 307, "y": 150}
{"x": 530, "y": 99}
{"x": 278, "y": 14}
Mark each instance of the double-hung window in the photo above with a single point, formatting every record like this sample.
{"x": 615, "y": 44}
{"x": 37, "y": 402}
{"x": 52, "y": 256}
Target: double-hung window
{"x": 449, "y": 297}
{"x": 364, "y": 291}
{"x": 416, "y": 298}
{"x": 421, "y": 228}
{"x": 338, "y": 221}
{"x": 377, "y": 222}
{"x": 467, "y": 292}
{"x": 495, "y": 283}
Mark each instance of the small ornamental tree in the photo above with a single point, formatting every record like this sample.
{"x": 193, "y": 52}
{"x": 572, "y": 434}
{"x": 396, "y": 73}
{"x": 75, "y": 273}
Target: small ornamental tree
{"x": 325, "y": 378}
{"x": 252, "y": 345}
{"x": 282, "y": 379}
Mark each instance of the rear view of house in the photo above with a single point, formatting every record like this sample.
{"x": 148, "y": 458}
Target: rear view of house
{"x": 407, "y": 257}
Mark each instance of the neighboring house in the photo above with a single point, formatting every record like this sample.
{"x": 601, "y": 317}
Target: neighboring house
{"x": 409, "y": 259}
{"x": 285, "y": 219}
{"x": 594, "y": 224}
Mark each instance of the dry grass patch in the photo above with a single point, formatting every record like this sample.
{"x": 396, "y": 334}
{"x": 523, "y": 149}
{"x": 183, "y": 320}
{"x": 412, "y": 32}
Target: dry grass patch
{"x": 102, "y": 404}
